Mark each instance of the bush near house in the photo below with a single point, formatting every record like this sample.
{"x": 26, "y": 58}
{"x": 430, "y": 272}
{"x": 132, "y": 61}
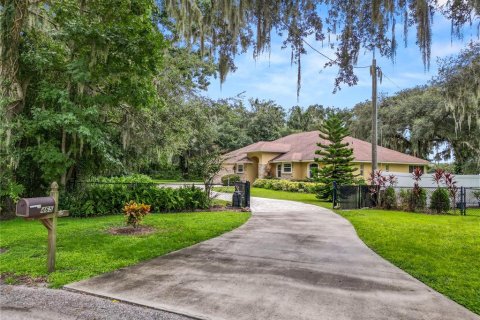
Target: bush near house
{"x": 286, "y": 185}
{"x": 230, "y": 179}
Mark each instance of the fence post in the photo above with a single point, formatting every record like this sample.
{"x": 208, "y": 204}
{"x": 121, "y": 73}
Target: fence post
{"x": 247, "y": 194}
{"x": 359, "y": 197}
{"x": 463, "y": 201}
{"x": 334, "y": 202}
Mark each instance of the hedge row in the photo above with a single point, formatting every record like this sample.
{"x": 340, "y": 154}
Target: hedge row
{"x": 286, "y": 185}
{"x": 105, "y": 199}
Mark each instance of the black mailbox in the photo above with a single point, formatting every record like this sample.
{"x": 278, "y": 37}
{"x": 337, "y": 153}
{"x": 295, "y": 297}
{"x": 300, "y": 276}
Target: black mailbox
{"x": 35, "y": 207}
{"x": 237, "y": 199}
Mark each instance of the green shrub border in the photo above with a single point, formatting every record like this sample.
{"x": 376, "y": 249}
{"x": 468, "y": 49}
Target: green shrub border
{"x": 287, "y": 185}
{"x": 106, "y": 196}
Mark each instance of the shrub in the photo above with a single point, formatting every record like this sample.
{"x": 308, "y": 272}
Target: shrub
{"x": 106, "y": 198}
{"x": 135, "y": 212}
{"x": 230, "y": 179}
{"x": 419, "y": 200}
{"x": 286, "y": 185}
{"x": 405, "y": 196}
{"x": 440, "y": 201}
{"x": 413, "y": 199}
{"x": 133, "y": 178}
{"x": 389, "y": 198}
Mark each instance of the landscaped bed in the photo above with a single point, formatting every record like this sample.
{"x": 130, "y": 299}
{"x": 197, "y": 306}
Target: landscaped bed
{"x": 88, "y": 247}
{"x": 443, "y": 251}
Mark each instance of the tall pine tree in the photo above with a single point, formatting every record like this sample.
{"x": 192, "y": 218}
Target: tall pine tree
{"x": 336, "y": 157}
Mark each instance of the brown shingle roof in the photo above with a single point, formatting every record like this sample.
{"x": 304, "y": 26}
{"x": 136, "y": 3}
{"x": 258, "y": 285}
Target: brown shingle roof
{"x": 302, "y": 147}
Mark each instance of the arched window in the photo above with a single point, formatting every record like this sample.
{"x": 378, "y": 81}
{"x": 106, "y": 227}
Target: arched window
{"x": 312, "y": 169}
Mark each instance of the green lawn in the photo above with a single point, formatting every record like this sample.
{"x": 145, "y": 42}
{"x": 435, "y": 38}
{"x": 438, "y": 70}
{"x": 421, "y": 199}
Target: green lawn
{"x": 85, "y": 248}
{"x": 443, "y": 251}
{"x": 283, "y": 195}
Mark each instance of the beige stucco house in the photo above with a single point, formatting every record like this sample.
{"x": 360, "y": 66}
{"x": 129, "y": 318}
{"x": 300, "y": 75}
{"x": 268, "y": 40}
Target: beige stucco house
{"x": 292, "y": 157}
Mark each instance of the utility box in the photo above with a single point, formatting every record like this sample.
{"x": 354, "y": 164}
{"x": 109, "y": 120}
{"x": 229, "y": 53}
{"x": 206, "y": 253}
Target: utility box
{"x": 35, "y": 207}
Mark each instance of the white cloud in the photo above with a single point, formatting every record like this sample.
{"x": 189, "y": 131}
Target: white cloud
{"x": 443, "y": 49}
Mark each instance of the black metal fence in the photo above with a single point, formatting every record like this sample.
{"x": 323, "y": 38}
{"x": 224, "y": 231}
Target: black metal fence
{"x": 466, "y": 200}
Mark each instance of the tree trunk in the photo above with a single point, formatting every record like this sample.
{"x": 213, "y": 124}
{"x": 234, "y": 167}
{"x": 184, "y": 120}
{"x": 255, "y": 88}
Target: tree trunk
{"x": 63, "y": 180}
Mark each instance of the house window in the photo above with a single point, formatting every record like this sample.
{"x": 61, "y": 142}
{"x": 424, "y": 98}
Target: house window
{"x": 287, "y": 168}
{"x": 387, "y": 167}
{"x": 411, "y": 168}
{"x": 362, "y": 169}
{"x": 239, "y": 168}
{"x": 312, "y": 170}
{"x": 279, "y": 170}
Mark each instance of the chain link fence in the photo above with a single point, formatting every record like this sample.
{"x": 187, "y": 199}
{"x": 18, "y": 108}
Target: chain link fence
{"x": 465, "y": 201}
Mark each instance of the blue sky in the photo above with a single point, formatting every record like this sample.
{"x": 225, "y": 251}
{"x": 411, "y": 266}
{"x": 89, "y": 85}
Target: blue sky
{"x": 273, "y": 78}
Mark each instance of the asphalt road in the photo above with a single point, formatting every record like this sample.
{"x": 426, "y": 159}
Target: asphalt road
{"x": 25, "y": 303}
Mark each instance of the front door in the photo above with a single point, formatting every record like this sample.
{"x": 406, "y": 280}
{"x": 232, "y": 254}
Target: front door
{"x": 279, "y": 170}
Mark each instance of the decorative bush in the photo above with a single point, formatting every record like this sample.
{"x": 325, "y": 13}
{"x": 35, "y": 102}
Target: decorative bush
{"x": 404, "y": 197}
{"x": 452, "y": 188}
{"x": 286, "y": 185}
{"x": 389, "y": 198}
{"x": 413, "y": 199}
{"x": 440, "y": 201}
{"x": 230, "y": 179}
{"x": 378, "y": 185}
{"x": 133, "y": 178}
{"x": 108, "y": 198}
{"x": 419, "y": 200}
{"x": 135, "y": 212}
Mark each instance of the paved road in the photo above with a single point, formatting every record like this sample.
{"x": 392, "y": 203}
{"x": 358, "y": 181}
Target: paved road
{"x": 289, "y": 261}
{"x": 30, "y": 303}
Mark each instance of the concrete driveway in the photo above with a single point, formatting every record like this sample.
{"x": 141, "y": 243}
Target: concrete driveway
{"x": 289, "y": 261}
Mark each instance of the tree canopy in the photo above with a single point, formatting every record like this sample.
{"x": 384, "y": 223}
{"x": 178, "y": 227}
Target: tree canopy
{"x": 227, "y": 28}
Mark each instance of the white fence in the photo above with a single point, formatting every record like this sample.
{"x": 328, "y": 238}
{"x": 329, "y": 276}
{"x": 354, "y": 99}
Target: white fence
{"x": 405, "y": 180}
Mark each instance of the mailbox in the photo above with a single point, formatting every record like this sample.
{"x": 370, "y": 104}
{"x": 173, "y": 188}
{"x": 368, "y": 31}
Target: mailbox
{"x": 35, "y": 207}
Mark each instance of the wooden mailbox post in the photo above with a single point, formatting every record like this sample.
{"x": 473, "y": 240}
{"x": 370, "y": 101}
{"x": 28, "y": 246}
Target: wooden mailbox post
{"x": 46, "y": 211}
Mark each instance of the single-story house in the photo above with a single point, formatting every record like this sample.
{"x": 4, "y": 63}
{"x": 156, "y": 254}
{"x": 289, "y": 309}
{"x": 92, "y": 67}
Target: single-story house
{"x": 292, "y": 157}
